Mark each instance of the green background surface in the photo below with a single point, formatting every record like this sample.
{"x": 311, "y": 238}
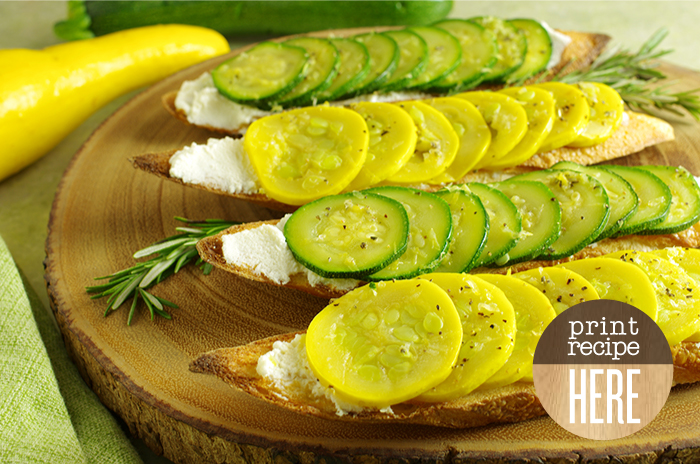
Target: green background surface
{"x": 26, "y": 198}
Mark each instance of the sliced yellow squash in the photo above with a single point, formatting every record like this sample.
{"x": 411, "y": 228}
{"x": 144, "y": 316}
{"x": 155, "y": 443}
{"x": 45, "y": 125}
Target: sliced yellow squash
{"x": 678, "y": 313}
{"x": 436, "y": 147}
{"x": 474, "y": 136}
{"x": 506, "y": 119}
{"x": 617, "y": 280}
{"x": 571, "y": 117}
{"x": 606, "y": 108}
{"x": 533, "y": 313}
{"x": 307, "y": 153}
{"x": 539, "y": 106}
{"x": 563, "y": 288}
{"x": 392, "y": 141}
{"x": 689, "y": 260}
{"x": 386, "y": 343}
{"x": 488, "y": 324}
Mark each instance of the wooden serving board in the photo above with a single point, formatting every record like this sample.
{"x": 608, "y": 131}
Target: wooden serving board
{"x": 105, "y": 210}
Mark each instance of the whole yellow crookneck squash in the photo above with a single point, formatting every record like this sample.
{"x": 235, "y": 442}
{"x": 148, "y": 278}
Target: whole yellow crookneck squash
{"x": 45, "y": 94}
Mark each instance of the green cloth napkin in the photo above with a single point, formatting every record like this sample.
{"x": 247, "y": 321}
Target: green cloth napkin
{"x": 47, "y": 413}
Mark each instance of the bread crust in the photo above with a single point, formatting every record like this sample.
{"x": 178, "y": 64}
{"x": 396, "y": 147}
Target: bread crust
{"x": 580, "y": 53}
{"x": 512, "y": 403}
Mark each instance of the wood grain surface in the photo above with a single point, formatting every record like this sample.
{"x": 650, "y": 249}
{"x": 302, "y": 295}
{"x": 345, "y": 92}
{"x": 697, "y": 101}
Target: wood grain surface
{"x": 105, "y": 210}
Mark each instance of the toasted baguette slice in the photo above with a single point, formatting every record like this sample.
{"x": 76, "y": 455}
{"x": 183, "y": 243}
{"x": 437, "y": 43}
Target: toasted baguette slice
{"x": 512, "y": 403}
{"x": 640, "y": 132}
{"x": 237, "y": 367}
{"x": 580, "y": 53}
{"x": 210, "y": 250}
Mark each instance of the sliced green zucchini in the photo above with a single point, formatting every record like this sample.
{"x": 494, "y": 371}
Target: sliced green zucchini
{"x": 540, "y": 216}
{"x": 444, "y": 55}
{"x": 413, "y": 58}
{"x": 323, "y": 67}
{"x": 623, "y": 200}
{"x": 478, "y": 54}
{"x": 654, "y": 199}
{"x": 430, "y": 222}
{"x": 383, "y": 60}
{"x": 584, "y": 209}
{"x": 470, "y": 226}
{"x": 348, "y": 235}
{"x": 354, "y": 66}
{"x": 512, "y": 47}
{"x": 685, "y": 199}
{"x": 539, "y": 49}
{"x": 263, "y": 73}
{"x": 504, "y": 224}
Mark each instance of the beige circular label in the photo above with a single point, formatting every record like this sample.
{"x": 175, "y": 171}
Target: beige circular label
{"x": 603, "y": 369}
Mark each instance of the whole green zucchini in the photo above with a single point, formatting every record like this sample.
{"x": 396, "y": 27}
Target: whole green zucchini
{"x": 246, "y": 18}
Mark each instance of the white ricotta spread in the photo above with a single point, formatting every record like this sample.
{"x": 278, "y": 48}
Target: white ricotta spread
{"x": 625, "y": 119}
{"x": 287, "y": 367}
{"x": 205, "y": 106}
{"x": 221, "y": 164}
{"x": 378, "y": 97}
{"x": 264, "y": 251}
{"x": 559, "y": 43}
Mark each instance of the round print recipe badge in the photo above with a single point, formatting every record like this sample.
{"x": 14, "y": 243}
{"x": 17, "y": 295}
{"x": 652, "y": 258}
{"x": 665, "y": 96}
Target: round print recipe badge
{"x": 603, "y": 369}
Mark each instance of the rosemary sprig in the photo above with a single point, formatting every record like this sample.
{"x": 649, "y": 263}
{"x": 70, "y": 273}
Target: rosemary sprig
{"x": 631, "y": 75}
{"x": 170, "y": 255}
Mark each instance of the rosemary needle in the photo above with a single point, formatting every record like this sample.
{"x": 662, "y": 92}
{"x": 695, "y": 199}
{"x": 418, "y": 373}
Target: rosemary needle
{"x": 631, "y": 75}
{"x": 168, "y": 256}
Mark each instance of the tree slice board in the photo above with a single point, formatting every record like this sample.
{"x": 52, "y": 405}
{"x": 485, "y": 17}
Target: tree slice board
{"x": 105, "y": 210}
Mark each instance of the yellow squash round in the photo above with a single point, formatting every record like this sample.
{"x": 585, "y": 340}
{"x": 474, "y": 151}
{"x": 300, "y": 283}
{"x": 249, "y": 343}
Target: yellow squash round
{"x": 386, "y": 343}
{"x": 571, "y": 117}
{"x": 606, "y": 108}
{"x": 473, "y": 132}
{"x": 678, "y": 314}
{"x": 539, "y": 106}
{"x": 307, "y": 153}
{"x": 392, "y": 141}
{"x": 617, "y": 280}
{"x": 436, "y": 146}
{"x": 505, "y": 117}
{"x": 563, "y": 288}
{"x": 488, "y": 324}
{"x": 687, "y": 259}
{"x": 533, "y": 313}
